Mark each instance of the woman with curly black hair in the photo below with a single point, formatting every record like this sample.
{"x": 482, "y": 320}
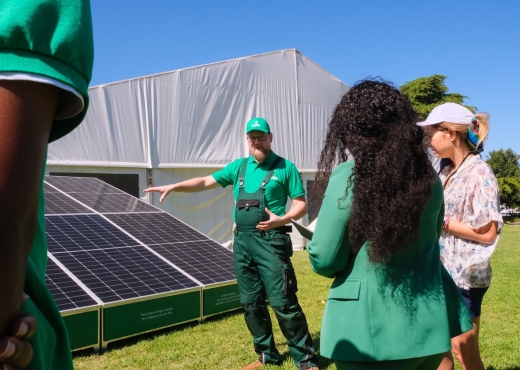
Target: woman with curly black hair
{"x": 392, "y": 305}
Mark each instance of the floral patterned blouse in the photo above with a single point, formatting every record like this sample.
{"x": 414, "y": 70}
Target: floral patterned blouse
{"x": 470, "y": 196}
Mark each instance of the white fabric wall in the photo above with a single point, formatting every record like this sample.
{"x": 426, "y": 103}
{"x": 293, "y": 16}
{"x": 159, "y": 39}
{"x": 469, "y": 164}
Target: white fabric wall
{"x": 114, "y": 132}
{"x": 195, "y": 117}
{"x": 216, "y": 102}
{"x": 316, "y": 105}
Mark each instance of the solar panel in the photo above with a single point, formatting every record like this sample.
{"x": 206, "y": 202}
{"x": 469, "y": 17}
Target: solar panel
{"x": 157, "y": 228}
{"x": 120, "y": 274}
{"x": 203, "y": 260}
{"x": 110, "y": 203}
{"x": 59, "y": 203}
{"x": 110, "y": 263}
{"x": 66, "y": 292}
{"x": 149, "y": 269}
{"x": 71, "y": 233}
{"x": 97, "y": 195}
{"x": 193, "y": 252}
{"x": 82, "y": 185}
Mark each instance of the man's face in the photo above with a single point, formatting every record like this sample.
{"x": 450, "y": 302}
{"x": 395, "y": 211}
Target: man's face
{"x": 259, "y": 144}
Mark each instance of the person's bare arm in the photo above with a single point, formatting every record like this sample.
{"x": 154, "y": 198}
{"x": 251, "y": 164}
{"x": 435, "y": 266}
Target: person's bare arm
{"x": 189, "y": 186}
{"x": 297, "y": 211}
{"x": 26, "y": 115}
{"x": 486, "y": 234}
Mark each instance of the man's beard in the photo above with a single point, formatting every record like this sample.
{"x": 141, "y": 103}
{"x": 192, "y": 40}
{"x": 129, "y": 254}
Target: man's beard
{"x": 260, "y": 155}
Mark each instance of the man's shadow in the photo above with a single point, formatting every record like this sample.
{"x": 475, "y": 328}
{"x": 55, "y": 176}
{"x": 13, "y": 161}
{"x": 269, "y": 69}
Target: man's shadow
{"x": 323, "y": 362}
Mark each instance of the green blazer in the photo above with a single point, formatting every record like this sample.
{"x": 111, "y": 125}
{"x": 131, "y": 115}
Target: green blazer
{"x": 411, "y": 308}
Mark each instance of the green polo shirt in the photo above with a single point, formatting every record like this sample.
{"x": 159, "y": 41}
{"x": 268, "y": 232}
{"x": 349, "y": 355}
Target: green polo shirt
{"x": 285, "y": 182}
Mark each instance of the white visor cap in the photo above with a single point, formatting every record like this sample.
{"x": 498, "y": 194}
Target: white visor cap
{"x": 449, "y": 112}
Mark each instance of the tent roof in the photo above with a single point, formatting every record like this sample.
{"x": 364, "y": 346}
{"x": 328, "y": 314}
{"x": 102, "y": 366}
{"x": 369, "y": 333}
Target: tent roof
{"x": 210, "y": 65}
{"x": 195, "y": 117}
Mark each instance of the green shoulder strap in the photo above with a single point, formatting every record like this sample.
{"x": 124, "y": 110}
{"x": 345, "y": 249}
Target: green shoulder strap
{"x": 271, "y": 171}
{"x": 242, "y": 173}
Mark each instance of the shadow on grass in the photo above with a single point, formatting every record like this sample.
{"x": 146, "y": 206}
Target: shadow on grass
{"x": 285, "y": 356}
{"x": 323, "y": 363}
{"x": 503, "y": 368}
{"x": 121, "y": 343}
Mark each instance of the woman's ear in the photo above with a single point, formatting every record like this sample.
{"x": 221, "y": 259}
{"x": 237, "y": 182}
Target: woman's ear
{"x": 452, "y": 135}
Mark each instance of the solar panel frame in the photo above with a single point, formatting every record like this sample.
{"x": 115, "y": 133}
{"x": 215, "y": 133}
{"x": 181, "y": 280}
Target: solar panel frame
{"x": 83, "y": 321}
{"x": 81, "y": 185}
{"x": 60, "y": 203}
{"x": 96, "y": 195}
{"x": 64, "y": 288}
{"x": 48, "y": 188}
{"x": 114, "y": 203}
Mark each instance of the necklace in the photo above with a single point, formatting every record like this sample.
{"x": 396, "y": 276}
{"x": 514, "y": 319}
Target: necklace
{"x": 454, "y": 171}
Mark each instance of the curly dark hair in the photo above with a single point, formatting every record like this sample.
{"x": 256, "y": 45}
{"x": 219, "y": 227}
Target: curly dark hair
{"x": 392, "y": 178}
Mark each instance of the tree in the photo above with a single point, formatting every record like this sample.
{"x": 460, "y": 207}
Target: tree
{"x": 507, "y": 170}
{"x": 426, "y": 93}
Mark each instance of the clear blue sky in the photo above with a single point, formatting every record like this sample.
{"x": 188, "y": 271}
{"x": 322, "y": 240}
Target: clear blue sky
{"x": 476, "y": 44}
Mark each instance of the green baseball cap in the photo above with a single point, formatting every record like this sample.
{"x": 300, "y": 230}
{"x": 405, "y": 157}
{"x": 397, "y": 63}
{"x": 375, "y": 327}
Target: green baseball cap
{"x": 259, "y": 124}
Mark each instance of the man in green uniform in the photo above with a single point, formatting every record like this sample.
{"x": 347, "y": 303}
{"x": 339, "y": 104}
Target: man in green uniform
{"x": 262, "y": 249}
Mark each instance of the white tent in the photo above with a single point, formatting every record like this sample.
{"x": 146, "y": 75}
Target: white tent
{"x": 190, "y": 122}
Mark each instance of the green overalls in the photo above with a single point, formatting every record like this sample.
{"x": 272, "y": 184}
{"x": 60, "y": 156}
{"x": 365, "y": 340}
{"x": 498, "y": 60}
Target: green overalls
{"x": 263, "y": 269}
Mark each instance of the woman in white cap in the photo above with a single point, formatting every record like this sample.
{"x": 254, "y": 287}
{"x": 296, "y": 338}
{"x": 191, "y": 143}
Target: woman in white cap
{"x": 472, "y": 214}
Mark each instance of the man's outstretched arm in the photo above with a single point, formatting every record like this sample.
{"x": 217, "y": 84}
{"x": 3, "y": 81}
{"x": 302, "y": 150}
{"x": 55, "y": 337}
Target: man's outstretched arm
{"x": 189, "y": 186}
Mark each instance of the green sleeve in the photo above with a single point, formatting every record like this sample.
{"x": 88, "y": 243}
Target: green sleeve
{"x": 229, "y": 174}
{"x": 329, "y": 249}
{"x": 58, "y": 33}
{"x": 293, "y": 184}
{"x": 51, "y": 38}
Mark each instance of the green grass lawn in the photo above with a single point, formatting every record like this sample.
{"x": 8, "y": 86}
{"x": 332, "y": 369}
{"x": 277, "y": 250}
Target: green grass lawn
{"x": 500, "y": 333}
{"x": 223, "y": 342}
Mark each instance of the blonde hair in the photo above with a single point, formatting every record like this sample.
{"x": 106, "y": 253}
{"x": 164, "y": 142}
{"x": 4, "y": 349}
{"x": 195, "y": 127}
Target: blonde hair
{"x": 462, "y": 130}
